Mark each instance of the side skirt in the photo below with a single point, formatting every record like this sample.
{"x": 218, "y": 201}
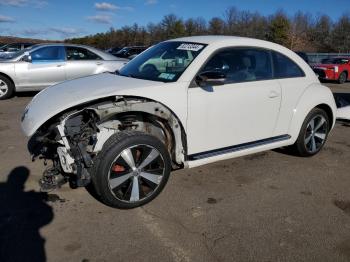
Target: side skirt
{"x": 236, "y": 148}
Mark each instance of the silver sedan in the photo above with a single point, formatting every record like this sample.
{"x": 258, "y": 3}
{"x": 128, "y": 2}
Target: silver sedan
{"x": 48, "y": 64}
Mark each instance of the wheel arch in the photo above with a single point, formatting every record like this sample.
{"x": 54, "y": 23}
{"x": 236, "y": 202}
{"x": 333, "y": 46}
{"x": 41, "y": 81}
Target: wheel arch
{"x": 152, "y": 115}
{"x": 346, "y": 71}
{"x": 315, "y": 96}
{"x": 165, "y": 129}
{"x": 9, "y": 78}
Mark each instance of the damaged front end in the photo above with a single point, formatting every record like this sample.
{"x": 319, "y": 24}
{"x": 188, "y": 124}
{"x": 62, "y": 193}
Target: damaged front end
{"x": 65, "y": 143}
{"x": 71, "y": 141}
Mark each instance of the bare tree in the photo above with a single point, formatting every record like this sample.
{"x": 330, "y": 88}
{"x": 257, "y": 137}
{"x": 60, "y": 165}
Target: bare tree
{"x": 231, "y": 20}
{"x": 299, "y": 32}
{"x": 320, "y": 34}
{"x": 279, "y": 28}
{"x": 216, "y": 26}
{"x": 173, "y": 26}
{"x": 341, "y": 34}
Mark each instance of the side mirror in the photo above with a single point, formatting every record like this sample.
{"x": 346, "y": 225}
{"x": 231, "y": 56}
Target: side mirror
{"x": 211, "y": 78}
{"x": 27, "y": 58}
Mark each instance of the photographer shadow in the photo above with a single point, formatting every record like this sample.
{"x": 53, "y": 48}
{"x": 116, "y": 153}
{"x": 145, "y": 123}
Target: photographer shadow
{"x": 22, "y": 214}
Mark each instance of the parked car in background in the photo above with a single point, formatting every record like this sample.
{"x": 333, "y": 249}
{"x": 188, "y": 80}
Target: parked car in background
{"x": 304, "y": 56}
{"x": 130, "y": 52}
{"x": 48, "y": 64}
{"x": 335, "y": 69}
{"x": 180, "y": 104}
{"x": 8, "y": 50}
{"x": 114, "y": 50}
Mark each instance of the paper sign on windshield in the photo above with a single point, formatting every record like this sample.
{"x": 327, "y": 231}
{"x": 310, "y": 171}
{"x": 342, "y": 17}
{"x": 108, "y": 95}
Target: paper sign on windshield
{"x": 190, "y": 47}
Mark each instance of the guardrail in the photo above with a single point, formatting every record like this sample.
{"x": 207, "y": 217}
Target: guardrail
{"x": 315, "y": 58}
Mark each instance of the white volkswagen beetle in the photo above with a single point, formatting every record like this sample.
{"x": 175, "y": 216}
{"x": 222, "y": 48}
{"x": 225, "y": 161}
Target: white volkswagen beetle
{"x": 180, "y": 104}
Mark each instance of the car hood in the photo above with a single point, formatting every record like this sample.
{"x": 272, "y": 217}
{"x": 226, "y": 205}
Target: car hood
{"x": 55, "y": 99}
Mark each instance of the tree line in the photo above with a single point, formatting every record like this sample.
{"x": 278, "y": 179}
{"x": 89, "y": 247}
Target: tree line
{"x": 300, "y": 32}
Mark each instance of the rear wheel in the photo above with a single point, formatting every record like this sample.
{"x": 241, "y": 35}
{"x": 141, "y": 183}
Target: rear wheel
{"x": 7, "y": 88}
{"x": 313, "y": 133}
{"x": 131, "y": 170}
{"x": 342, "y": 78}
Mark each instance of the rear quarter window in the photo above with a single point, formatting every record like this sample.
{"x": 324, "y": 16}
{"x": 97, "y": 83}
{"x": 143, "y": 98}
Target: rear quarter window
{"x": 284, "y": 67}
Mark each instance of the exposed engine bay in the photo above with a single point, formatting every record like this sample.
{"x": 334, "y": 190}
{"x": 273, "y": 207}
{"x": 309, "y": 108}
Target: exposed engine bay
{"x": 72, "y": 140}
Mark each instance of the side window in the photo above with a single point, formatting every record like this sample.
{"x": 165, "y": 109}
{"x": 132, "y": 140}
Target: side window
{"x": 242, "y": 64}
{"x": 78, "y": 53}
{"x": 285, "y": 67}
{"x": 48, "y": 54}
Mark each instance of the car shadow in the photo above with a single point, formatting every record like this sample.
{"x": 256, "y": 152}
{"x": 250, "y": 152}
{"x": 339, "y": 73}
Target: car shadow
{"x": 22, "y": 214}
{"x": 327, "y": 81}
{"x": 26, "y": 94}
{"x": 286, "y": 151}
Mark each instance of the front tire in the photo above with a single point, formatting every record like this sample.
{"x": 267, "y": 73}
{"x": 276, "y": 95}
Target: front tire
{"x": 131, "y": 170}
{"x": 7, "y": 88}
{"x": 313, "y": 134}
{"x": 342, "y": 78}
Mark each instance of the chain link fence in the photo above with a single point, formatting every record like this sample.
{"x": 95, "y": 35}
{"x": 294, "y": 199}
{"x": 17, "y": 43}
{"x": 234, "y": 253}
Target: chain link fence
{"x": 316, "y": 58}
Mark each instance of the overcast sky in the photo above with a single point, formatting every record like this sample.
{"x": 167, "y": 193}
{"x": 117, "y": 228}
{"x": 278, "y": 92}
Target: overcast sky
{"x": 59, "y": 19}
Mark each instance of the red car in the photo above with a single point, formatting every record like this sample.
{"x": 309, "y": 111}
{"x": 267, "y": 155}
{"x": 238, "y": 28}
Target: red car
{"x": 337, "y": 69}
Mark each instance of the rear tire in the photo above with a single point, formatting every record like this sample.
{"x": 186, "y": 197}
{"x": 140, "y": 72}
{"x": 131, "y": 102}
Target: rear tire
{"x": 7, "y": 88}
{"x": 313, "y": 134}
{"x": 131, "y": 170}
{"x": 342, "y": 78}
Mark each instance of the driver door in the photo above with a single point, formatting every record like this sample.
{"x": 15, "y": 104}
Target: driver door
{"x": 242, "y": 110}
{"x": 46, "y": 68}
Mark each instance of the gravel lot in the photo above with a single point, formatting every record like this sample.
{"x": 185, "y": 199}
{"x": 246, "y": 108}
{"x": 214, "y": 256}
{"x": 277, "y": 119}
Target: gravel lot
{"x": 264, "y": 207}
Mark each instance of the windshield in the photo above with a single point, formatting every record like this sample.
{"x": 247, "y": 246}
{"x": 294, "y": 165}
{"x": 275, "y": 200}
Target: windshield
{"x": 123, "y": 50}
{"x": 165, "y": 62}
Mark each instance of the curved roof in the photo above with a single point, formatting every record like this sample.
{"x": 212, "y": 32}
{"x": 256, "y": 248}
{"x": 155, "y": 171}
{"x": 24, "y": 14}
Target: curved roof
{"x": 224, "y": 40}
{"x": 216, "y": 39}
{"x": 208, "y": 39}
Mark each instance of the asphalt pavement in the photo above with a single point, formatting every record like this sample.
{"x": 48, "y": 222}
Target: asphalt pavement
{"x": 269, "y": 206}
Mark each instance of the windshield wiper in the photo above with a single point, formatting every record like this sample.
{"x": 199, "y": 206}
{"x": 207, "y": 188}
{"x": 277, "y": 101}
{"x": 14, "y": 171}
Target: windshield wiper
{"x": 128, "y": 75}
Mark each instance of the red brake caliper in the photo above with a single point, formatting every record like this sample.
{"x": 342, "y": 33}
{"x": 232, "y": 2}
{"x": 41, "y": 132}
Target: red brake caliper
{"x": 118, "y": 168}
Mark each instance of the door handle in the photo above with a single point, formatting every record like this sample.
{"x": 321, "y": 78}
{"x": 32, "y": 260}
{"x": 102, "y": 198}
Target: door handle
{"x": 99, "y": 63}
{"x": 59, "y": 65}
{"x": 274, "y": 94}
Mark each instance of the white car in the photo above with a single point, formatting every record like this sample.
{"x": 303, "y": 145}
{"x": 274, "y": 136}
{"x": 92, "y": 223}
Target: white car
{"x": 181, "y": 104}
{"x": 48, "y": 64}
